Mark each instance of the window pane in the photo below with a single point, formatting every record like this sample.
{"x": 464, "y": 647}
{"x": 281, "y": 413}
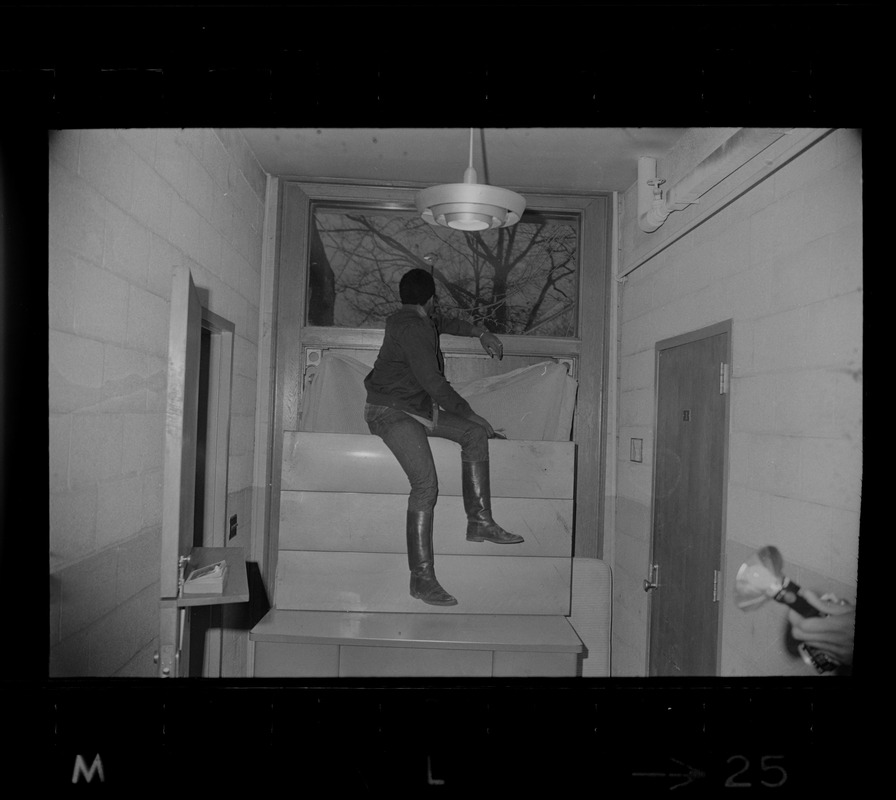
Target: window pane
{"x": 518, "y": 280}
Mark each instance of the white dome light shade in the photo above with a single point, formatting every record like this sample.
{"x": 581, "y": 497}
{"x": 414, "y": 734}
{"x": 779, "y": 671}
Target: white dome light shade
{"x": 470, "y": 206}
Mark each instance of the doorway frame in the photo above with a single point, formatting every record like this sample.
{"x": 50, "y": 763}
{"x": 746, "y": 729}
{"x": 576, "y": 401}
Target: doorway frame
{"x": 664, "y": 344}
{"x": 217, "y": 461}
{"x": 589, "y": 349}
{"x": 220, "y": 379}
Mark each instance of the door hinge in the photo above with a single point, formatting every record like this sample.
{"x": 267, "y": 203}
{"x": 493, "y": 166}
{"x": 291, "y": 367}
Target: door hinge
{"x": 716, "y": 576}
{"x": 723, "y": 378}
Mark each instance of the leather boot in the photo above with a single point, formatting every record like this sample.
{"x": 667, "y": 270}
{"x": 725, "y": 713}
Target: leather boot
{"x": 475, "y": 482}
{"x": 424, "y": 585}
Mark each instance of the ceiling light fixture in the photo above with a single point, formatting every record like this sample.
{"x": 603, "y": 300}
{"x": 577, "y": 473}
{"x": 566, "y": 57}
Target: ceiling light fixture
{"x": 470, "y": 206}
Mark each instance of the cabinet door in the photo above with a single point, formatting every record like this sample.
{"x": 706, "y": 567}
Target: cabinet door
{"x": 179, "y": 488}
{"x": 181, "y": 422}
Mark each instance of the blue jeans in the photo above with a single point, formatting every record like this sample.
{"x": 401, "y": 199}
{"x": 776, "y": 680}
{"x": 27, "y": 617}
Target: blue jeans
{"x": 406, "y": 438}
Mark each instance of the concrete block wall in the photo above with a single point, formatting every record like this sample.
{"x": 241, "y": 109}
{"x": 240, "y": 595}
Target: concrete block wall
{"x": 784, "y": 262}
{"x": 125, "y": 206}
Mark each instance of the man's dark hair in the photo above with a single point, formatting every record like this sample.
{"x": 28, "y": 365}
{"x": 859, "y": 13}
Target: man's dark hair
{"x": 416, "y": 287}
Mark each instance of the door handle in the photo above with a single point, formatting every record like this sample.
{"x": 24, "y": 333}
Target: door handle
{"x": 653, "y": 581}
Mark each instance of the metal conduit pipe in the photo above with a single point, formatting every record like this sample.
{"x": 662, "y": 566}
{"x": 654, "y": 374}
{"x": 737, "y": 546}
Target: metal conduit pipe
{"x": 655, "y": 205}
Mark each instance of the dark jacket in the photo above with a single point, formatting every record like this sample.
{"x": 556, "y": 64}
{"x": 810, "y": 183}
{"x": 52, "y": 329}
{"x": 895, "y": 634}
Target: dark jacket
{"x": 409, "y": 372}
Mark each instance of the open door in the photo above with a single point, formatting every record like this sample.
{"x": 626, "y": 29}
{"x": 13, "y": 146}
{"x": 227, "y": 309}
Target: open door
{"x": 182, "y": 541}
{"x": 181, "y": 421}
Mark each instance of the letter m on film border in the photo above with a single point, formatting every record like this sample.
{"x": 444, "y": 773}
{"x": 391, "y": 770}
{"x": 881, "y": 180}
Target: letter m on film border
{"x": 81, "y": 769}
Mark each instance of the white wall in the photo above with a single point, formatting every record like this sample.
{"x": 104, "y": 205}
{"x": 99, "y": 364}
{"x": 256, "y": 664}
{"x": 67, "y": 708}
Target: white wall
{"x": 784, "y": 262}
{"x": 124, "y": 207}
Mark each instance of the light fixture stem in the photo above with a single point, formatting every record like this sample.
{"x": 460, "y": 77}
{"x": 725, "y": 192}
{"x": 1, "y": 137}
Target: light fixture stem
{"x": 469, "y": 172}
{"x": 470, "y": 206}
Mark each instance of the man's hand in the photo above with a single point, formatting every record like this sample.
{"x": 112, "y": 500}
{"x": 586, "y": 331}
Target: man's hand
{"x": 492, "y": 345}
{"x": 492, "y": 433}
{"x": 834, "y": 632}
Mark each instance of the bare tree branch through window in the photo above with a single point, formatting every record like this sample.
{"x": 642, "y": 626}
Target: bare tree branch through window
{"x": 518, "y": 280}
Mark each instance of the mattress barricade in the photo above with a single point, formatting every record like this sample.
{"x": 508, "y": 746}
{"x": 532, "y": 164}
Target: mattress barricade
{"x": 534, "y": 403}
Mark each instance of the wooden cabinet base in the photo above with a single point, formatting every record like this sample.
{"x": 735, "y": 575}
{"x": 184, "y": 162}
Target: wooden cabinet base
{"x": 314, "y": 644}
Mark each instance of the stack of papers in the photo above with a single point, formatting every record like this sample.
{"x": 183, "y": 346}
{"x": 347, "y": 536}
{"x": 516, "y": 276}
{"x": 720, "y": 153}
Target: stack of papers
{"x": 207, "y": 580}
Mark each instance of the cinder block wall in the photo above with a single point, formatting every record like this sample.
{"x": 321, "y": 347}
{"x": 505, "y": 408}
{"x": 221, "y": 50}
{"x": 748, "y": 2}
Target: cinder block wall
{"x": 124, "y": 207}
{"x": 784, "y": 262}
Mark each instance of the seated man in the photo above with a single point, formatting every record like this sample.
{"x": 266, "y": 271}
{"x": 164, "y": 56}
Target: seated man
{"x": 408, "y": 399}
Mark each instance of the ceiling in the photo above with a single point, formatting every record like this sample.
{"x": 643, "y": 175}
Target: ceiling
{"x": 553, "y": 159}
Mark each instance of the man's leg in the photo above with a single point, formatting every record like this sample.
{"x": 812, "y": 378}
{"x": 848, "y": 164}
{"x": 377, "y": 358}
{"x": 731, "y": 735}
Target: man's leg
{"x": 406, "y": 438}
{"x": 475, "y": 478}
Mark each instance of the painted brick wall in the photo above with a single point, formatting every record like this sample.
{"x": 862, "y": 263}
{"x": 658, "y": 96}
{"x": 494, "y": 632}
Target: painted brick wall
{"x": 784, "y": 262}
{"x": 124, "y": 208}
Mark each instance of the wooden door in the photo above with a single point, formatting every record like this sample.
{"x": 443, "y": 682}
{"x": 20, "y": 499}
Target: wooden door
{"x": 689, "y": 485}
{"x": 179, "y": 488}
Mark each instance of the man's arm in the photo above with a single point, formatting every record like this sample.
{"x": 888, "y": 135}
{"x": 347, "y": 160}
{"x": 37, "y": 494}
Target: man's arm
{"x": 454, "y": 326}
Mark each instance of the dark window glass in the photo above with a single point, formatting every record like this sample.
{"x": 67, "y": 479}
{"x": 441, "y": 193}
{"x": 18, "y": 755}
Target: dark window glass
{"x": 521, "y": 280}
